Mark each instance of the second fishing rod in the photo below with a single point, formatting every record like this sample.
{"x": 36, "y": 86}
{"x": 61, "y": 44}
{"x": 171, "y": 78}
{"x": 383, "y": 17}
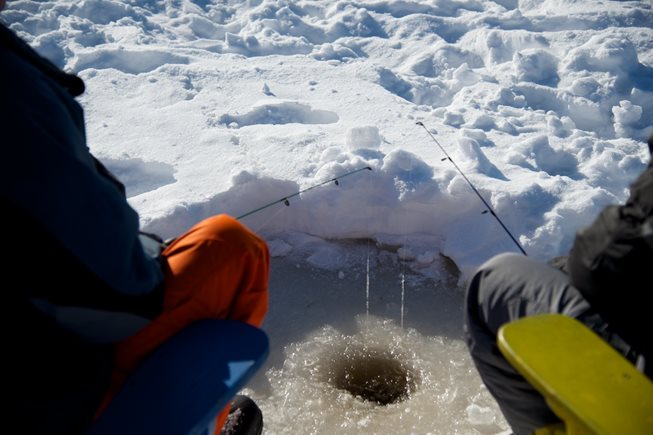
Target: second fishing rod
{"x": 487, "y": 205}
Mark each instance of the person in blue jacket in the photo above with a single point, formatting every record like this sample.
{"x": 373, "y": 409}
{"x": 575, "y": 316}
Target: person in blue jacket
{"x": 71, "y": 239}
{"x": 80, "y": 287}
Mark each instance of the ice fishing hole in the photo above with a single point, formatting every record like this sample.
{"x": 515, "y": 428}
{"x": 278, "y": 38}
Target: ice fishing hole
{"x": 372, "y": 375}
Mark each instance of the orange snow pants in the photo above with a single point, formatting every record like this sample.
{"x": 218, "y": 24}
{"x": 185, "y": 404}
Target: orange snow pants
{"x": 218, "y": 269}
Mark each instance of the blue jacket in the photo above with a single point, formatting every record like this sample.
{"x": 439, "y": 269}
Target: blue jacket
{"x": 70, "y": 240}
{"x": 50, "y": 174}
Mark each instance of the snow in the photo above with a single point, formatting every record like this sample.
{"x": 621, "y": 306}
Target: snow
{"x": 205, "y": 107}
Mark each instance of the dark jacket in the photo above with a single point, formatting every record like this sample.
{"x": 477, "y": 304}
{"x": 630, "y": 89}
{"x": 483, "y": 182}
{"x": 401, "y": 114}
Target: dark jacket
{"x": 611, "y": 263}
{"x": 70, "y": 240}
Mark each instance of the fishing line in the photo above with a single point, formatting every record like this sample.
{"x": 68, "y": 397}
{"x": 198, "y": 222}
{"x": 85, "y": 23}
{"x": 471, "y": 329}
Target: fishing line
{"x": 267, "y": 221}
{"x": 367, "y": 267}
{"x": 403, "y": 292}
{"x": 286, "y": 199}
{"x": 367, "y": 284}
{"x": 489, "y": 208}
{"x": 403, "y": 262}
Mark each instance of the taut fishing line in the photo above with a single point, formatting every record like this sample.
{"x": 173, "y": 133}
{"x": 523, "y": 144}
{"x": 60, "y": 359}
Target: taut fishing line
{"x": 489, "y": 208}
{"x": 403, "y": 262}
{"x": 369, "y": 252}
{"x": 265, "y": 223}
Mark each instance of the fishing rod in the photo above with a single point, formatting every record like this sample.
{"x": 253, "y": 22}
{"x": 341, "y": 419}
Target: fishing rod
{"x": 489, "y": 208}
{"x": 286, "y": 201}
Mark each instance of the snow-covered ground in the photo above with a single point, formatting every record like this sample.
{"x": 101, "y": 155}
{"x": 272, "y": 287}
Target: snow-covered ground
{"x": 205, "y": 107}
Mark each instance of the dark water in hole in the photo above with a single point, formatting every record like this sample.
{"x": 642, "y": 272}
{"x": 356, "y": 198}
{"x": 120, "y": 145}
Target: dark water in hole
{"x": 372, "y": 375}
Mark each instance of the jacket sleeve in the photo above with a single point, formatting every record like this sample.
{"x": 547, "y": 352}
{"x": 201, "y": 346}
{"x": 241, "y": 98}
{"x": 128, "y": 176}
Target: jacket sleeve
{"x": 611, "y": 262}
{"x": 49, "y": 172}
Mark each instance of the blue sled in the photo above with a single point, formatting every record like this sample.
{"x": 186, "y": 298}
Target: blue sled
{"x": 180, "y": 387}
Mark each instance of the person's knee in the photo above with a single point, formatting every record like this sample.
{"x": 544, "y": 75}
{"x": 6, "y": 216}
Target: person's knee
{"x": 494, "y": 285}
{"x": 501, "y": 261}
{"x": 484, "y": 280}
{"x": 234, "y": 235}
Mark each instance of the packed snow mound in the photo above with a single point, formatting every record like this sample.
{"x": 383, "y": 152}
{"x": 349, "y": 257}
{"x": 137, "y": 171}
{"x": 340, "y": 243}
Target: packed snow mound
{"x": 544, "y": 105}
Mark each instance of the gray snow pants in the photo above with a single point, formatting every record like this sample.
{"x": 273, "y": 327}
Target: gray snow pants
{"x": 505, "y": 288}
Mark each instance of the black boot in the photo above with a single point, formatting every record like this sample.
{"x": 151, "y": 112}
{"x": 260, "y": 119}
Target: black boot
{"x": 245, "y": 418}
